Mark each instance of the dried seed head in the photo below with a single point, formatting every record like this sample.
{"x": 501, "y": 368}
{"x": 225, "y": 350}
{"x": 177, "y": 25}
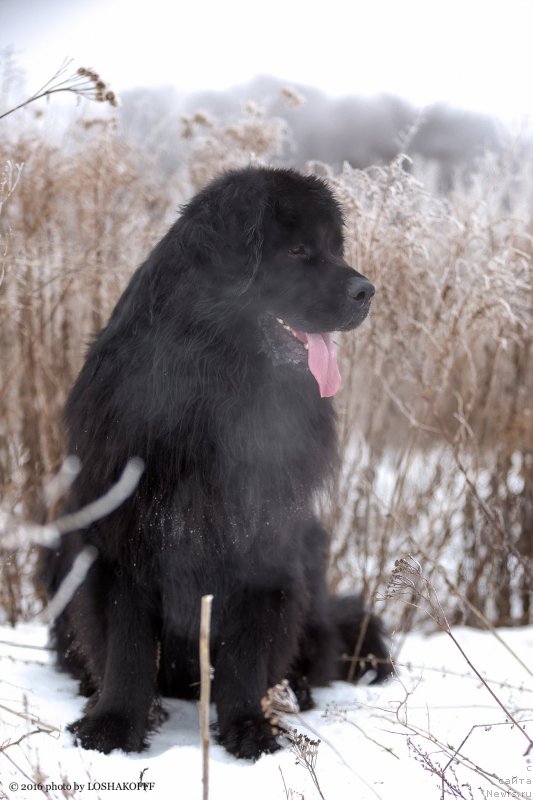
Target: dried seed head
{"x": 201, "y": 118}
{"x": 280, "y": 699}
{"x": 293, "y": 98}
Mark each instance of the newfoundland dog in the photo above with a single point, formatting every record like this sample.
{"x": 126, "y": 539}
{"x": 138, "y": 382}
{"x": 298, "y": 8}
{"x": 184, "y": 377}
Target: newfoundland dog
{"x": 216, "y": 368}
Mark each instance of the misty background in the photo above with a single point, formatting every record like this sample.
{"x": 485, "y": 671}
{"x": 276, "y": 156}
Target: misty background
{"x": 357, "y": 82}
{"x": 359, "y": 130}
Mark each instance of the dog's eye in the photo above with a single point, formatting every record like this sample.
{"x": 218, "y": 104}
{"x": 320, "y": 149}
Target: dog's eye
{"x": 299, "y": 250}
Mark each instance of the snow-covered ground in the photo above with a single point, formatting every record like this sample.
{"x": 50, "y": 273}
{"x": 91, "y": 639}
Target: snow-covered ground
{"x": 376, "y": 742}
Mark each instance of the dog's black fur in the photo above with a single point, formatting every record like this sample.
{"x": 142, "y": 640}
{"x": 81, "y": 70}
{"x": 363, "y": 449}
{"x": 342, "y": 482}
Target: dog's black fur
{"x": 195, "y": 375}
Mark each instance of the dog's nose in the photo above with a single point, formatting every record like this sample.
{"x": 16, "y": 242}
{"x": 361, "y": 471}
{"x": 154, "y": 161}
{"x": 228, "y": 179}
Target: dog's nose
{"x": 360, "y": 290}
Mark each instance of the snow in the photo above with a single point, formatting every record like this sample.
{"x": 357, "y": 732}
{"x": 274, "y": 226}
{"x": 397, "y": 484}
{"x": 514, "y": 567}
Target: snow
{"x": 376, "y": 742}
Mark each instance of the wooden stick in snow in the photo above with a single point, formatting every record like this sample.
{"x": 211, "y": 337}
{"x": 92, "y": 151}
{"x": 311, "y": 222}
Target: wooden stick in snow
{"x": 205, "y": 688}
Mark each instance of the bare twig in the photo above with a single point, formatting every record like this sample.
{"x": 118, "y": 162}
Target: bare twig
{"x": 334, "y": 711}
{"x": 30, "y": 718}
{"x": 70, "y": 584}
{"x": 408, "y": 575}
{"x": 481, "y": 617}
{"x": 83, "y": 83}
{"x": 8, "y": 743}
{"x": 16, "y": 533}
{"x": 205, "y": 688}
{"x": 444, "y": 748}
{"x": 112, "y": 499}
{"x": 59, "y": 484}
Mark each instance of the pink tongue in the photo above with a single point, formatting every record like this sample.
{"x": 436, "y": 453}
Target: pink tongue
{"x": 322, "y": 360}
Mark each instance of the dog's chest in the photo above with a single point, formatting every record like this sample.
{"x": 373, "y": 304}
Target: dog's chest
{"x": 281, "y": 434}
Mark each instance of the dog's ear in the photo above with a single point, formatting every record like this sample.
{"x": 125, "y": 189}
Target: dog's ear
{"x": 255, "y": 235}
{"x": 242, "y": 216}
{"x": 222, "y": 228}
{"x": 284, "y": 212}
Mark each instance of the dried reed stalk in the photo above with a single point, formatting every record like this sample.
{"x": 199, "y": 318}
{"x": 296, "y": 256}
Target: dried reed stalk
{"x": 205, "y": 687}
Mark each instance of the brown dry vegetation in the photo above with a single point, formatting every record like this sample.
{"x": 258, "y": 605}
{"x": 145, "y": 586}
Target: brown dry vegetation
{"x": 438, "y": 424}
{"x": 435, "y": 415}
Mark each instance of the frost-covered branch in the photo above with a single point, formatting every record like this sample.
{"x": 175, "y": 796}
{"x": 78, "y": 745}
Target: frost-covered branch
{"x": 407, "y": 576}
{"x": 15, "y": 532}
{"x": 83, "y": 82}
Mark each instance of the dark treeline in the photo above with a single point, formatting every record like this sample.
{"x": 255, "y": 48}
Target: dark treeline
{"x": 360, "y": 130}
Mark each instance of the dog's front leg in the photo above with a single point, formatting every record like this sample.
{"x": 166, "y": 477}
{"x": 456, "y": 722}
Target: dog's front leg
{"x": 253, "y": 653}
{"x": 119, "y": 717}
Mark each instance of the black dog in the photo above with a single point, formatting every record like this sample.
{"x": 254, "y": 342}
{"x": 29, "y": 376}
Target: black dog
{"x": 216, "y": 368}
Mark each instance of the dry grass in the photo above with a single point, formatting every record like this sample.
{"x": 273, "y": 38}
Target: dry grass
{"x": 436, "y": 419}
{"x": 72, "y": 231}
{"x": 438, "y": 423}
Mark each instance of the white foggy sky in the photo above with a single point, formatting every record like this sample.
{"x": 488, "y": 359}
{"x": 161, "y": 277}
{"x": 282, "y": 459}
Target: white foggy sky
{"x": 475, "y": 54}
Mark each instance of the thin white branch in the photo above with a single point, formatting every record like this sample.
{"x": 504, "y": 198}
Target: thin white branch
{"x": 58, "y": 486}
{"x": 15, "y": 533}
{"x": 70, "y": 584}
{"x": 111, "y": 500}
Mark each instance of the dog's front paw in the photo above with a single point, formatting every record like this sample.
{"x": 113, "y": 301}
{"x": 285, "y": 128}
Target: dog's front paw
{"x": 106, "y": 732}
{"x": 248, "y": 738}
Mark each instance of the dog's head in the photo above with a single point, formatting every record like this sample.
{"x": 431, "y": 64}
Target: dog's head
{"x": 278, "y": 236}
{"x": 303, "y": 277}
{"x": 307, "y": 288}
